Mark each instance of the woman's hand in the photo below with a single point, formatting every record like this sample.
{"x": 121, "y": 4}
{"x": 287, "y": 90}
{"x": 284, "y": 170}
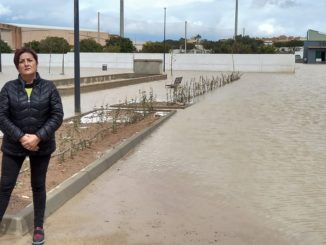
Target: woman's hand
{"x": 30, "y": 142}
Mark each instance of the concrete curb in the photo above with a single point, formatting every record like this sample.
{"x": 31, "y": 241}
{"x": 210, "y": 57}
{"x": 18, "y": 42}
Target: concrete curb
{"x": 22, "y": 222}
{"x": 99, "y": 78}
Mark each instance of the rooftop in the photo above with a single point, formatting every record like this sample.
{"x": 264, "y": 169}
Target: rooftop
{"x": 47, "y": 27}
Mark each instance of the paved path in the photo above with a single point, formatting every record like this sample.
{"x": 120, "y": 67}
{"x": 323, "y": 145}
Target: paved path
{"x": 9, "y": 73}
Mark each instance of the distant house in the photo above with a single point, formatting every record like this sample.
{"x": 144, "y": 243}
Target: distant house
{"x": 315, "y": 47}
{"x": 268, "y": 42}
{"x": 199, "y": 49}
{"x": 138, "y": 46}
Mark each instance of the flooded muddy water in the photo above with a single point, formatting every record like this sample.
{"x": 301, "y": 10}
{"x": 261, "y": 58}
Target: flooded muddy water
{"x": 259, "y": 142}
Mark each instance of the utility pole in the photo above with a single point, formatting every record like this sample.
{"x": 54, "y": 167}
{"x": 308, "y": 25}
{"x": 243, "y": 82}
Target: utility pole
{"x": 122, "y": 19}
{"x": 63, "y": 62}
{"x": 185, "y": 37}
{"x": 236, "y": 20}
{"x": 164, "y": 40}
{"x": 98, "y": 27}
{"x": 0, "y": 52}
{"x": 77, "y": 57}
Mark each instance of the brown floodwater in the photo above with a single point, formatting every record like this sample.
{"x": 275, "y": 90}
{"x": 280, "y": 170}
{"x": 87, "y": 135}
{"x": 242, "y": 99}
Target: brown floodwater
{"x": 260, "y": 142}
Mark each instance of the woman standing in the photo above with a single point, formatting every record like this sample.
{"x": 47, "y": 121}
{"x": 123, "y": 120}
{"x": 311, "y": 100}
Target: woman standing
{"x": 30, "y": 113}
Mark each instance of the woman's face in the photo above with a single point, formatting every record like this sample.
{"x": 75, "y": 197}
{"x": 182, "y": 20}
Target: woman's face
{"x": 27, "y": 64}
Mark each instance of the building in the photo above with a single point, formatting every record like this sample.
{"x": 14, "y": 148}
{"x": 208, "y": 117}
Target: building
{"x": 15, "y": 35}
{"x": 282, "y": 38}
{"x": 138, "y": 45}
{"x": 315, "y": 47}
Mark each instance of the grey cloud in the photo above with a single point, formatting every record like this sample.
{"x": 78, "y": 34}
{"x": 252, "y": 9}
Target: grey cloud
{"x": 279, "y": 3}
{"x": 4, "y": 10}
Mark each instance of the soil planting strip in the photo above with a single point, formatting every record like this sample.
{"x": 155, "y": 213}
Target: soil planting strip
{"x": 22, "y": 222}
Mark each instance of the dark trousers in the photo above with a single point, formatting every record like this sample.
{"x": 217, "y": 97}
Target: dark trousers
{"x": 11, "y": 166}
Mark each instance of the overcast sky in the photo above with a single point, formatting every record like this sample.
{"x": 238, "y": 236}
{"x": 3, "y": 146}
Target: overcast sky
{"x": 144, "y": 19}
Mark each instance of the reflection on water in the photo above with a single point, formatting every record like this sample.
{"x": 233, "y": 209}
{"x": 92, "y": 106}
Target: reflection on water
{"x": 260, "y": 142}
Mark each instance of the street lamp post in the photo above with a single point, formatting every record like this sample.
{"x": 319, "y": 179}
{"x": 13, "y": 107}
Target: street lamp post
{"x": 185, "y": 37}
{"x": 77, "y": 57}
{"x": 98, "y": 27}
{"x": 164, "y": 40}
{"x": 63, "y": 61}
{"x": 236, "y": 20}
{"x": 122, "y": 31}
{"x": 0, "y": 52}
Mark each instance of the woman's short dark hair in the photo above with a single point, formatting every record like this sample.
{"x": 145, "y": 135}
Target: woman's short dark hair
{"x": 20, "y": 51}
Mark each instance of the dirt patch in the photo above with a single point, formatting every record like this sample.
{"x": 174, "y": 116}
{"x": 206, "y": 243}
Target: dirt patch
{"x": 77, "y": 146}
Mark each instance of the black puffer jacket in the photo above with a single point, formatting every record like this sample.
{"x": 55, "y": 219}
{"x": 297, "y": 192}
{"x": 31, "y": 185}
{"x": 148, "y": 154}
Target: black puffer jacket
{"x": 42, "y": 115}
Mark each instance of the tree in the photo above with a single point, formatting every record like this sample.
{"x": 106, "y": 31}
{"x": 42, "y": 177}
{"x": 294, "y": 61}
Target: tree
{"x": 208, "y": 44}
{"x": 241, "y": 45}
{"x": 90, "y": 45}
{"x": 267, "y": 49}
{"x": 158, "y": 47}
{"x": 125, "y": 44}
{"x": 172, "y": 44}
{"x": 56, "y": 45}
{"x": 112, "y": 49}
{"x": 292, "y": 43}
{"x": 153, "y": 47}
{"x": 34, "y": 45}
{"x": 4, "y": 47}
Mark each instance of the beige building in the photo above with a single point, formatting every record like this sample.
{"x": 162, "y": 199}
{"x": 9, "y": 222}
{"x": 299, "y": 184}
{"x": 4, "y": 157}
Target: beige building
{"x": 18, "y": 34}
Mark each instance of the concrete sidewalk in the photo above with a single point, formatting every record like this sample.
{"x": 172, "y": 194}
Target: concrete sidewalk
{"x": 10, "y": 73}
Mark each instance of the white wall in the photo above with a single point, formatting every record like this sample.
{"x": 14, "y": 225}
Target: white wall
{"x": 200, "y": 62}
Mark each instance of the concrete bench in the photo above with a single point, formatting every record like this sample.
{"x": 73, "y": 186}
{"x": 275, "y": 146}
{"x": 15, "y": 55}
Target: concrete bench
{"x": 175, "y": 84}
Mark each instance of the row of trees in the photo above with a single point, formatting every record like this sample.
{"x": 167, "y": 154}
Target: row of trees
{"x": 160, "y": 47}
{"x": 60, "y": 45}
{"x": 242, "y": 45}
